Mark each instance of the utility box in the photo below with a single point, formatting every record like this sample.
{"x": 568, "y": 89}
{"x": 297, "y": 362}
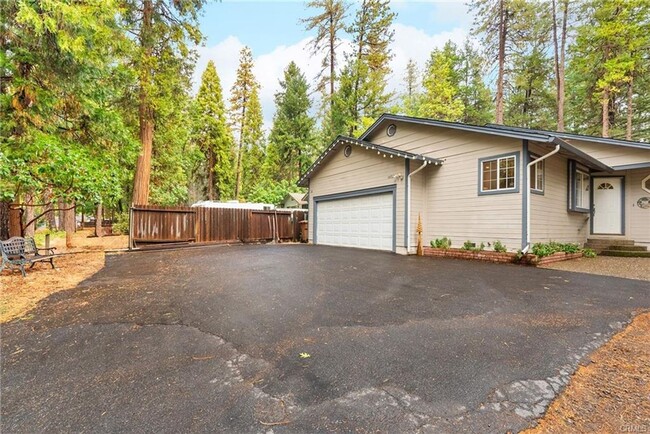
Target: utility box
{"x": 304, "y": 231}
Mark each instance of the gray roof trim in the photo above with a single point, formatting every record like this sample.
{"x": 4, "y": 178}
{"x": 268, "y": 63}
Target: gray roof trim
{"x": 368, "y": 145}
{"x": 584, "y": 137}
{"x": 632, "y": 166}
{"x": 530, "y": 135}
{"x": 584, "y": 157}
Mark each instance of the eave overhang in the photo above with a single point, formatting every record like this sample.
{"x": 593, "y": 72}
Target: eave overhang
{"x": 384, "y": 151}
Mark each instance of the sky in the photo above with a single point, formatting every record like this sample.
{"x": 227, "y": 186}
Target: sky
{"x": 274, "y": 32}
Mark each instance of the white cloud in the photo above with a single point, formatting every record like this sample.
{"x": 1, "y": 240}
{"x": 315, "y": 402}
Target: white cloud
{"x": 409, "y": 43}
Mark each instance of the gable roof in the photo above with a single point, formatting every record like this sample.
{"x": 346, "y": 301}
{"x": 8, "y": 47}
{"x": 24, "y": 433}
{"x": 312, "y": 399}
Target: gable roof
{"x": 298, "y": 197}
{"x": 344, "y": 140}
{"x": 503, "y": 130}
{"x": 544, "y": 137}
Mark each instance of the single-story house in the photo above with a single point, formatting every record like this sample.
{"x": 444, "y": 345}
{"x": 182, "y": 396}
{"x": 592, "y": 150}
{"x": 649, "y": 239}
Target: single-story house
{"x": 469, "y": 182}
{"x": 294, "y": 200}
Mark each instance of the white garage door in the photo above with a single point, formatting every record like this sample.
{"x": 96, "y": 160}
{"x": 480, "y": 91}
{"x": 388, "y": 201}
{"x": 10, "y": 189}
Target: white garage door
{"x": 362, "y": 221}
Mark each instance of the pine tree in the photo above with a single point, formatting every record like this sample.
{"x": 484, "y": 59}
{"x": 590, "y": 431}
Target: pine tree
{"x": 411, "y": 92}
{"x": 368, "y": 66}
{"x": 253, "y": 143}
{"x": 240, "y": 95}
{"x": 473, "y": 92}
{"x": 163, "y": 31}
{"x": 329, "y": 23}
{"x": 441, "y": 99}
{"x": 291, "y": 142}
{"x": 213, "y": 136}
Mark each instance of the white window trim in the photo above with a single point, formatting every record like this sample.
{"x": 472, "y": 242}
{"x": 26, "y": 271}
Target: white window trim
{"x": 534, "y": 157}
{"x": 498, "y": 159}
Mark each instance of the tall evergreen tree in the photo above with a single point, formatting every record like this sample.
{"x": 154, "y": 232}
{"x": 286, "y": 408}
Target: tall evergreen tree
{"x": 240, "y": 101}
{"x": 213, "y": 136}
{"x": 329, "y": 24}
{"x": 441, "y": 97}
{"x": 473, "y": 92}
{"x": 253, "y": 143}
{"x": 411, "y": 89}
{"x": 368, "y": 66}
{"x": 291, "y": 142}
{"x": 164, "y": 31}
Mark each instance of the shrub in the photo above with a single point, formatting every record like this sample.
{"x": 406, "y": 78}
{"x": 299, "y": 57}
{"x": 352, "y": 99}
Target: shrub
{"x": 121, "y": 226}
{"x": 589, "y": 253}
{"x": 499, "y": 247}
{"x": 441, "y": 243}
{"x": 547, "y": 249}
{"x": 570, "y": 248}
{"x": 468, "y": 245}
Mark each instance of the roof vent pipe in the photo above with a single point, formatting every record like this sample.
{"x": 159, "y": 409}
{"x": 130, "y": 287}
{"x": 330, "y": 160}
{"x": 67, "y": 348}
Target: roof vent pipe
{"x": 408, "y": 201}
{"x": 527, "y": 193}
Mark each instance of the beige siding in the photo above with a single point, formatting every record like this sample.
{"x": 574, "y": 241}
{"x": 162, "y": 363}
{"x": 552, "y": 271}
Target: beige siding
{"x": 418, "y": 202}
{"x": 453, "y": 207}
{"x": 613, "y": 155}
{"x": 363, "y": 169}
{"x": 637, "y": 219}
{"x": 549, "y": 219}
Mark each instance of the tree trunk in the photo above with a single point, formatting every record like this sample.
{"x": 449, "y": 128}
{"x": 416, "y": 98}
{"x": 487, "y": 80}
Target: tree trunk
{"x": 332, "y": 42}
{"x": 4, "y": 219}
{"x": 559, "y": 55}
{"x": 15, "y": 227}
{"x": 211, "y": 164}
{"x": 50, "y": 215}
{"x": 240, "y": 149}
{"x": 630, "y": 109}
{"x": 59, "y": 223}
{"x": 69, "y": 223}
{"x": 29, "y": 215}
{"x": 145, "y": 112}
{"x": 503, "y": 28}
{"x": 605, "y": 109}
{"x": 99, "y": 217}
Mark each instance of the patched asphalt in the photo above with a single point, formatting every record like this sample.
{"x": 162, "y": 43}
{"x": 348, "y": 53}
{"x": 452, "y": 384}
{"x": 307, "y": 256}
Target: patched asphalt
{"x": 208, "y": 340}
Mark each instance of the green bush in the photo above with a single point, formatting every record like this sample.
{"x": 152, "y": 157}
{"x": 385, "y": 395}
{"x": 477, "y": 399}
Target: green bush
{"x": 468, "y": 245}
{"x": 570, "y": 248}
{"x": 547, "y": 249}
{"x": 121, "y": 226}
{"x": 500, "y": 247}
{"x": 441, "y": 243}
{"x": 589, "y": 253}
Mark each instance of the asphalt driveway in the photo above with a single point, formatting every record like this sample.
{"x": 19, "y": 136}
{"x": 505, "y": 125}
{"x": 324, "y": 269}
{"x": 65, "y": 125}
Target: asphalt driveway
{"x": 208, "y": 340}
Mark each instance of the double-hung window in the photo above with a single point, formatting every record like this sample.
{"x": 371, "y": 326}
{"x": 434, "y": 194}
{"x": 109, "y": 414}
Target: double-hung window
{"x": 537, "y": 175}
{"x": 579, "y": 180}
{"x": 498, "y": 174}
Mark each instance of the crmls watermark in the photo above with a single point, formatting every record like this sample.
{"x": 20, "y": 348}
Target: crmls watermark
{"x": 635, "y": 427}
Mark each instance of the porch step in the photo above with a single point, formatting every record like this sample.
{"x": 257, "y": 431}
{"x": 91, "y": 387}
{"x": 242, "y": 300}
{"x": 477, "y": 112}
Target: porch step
{"x": 626, "y": 253}
{"x": 609, "y": 242}
{"x": 629, "y": 248}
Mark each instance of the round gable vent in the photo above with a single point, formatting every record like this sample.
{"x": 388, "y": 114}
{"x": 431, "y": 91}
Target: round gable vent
{"x": 347, "y": 151}
{"x": 391, "y": 130}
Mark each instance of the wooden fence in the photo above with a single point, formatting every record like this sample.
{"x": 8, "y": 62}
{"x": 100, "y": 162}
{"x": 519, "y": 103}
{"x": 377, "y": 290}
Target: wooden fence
{"x": 155, "y": 224}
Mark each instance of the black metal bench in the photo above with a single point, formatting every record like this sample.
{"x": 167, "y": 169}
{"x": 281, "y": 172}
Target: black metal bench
{"x": 18, "y": 252}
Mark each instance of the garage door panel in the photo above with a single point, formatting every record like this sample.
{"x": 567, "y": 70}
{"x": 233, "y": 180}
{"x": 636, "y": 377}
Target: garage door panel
{"x": 361, "y": 221}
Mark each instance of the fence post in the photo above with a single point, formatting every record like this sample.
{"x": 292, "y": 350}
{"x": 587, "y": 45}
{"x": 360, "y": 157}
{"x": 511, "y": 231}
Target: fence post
{"x": 131, "y": 227}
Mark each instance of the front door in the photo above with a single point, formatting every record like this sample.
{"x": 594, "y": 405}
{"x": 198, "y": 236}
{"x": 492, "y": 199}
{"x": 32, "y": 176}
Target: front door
{"x": 608, "y": 206}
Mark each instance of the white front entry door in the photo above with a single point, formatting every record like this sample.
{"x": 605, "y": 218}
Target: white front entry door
{"x": 362, "y": 221}
{"x": 608, "y": 206}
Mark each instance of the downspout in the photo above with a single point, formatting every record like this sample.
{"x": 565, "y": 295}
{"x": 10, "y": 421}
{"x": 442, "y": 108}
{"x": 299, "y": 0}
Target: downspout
{"x": 408, "y": 201}
{"x": 527, "y": 193}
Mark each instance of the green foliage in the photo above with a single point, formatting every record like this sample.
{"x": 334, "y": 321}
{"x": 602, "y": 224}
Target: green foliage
{"x": 547, "y": 249}
{"x": 441, "y": 243}
{"x": 471, "y": 246}
{"x": 212, "y": 135}
{"x": 291, "y": 142}
{"x": 589, "y": 253}
{"x": 121, "y": 225}
{"x": 500, "y": 247}
{"x": 39, "y": 236}
{"x": 441, "y": 86}
{"x": 272, "y": 192}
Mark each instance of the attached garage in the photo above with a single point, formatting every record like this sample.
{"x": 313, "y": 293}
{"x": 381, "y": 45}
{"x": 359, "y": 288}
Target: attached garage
{"x": 363, "y": 219}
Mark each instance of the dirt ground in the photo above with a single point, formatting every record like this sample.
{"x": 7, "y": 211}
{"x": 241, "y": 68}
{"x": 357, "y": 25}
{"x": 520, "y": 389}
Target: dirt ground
{"x": 18, "y": 295}
{"x": 610, "y": 394}
{"x": 631, "y": 268}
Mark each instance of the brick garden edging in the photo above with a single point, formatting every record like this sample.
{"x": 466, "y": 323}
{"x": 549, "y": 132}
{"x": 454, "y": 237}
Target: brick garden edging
{"x": 507, "y": 257}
